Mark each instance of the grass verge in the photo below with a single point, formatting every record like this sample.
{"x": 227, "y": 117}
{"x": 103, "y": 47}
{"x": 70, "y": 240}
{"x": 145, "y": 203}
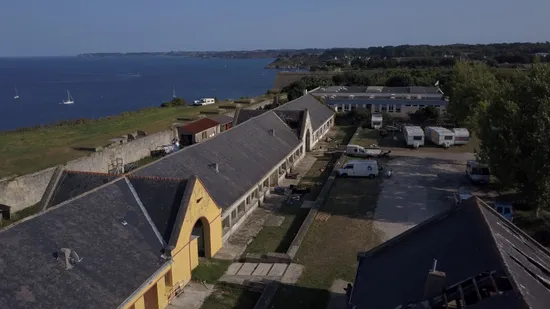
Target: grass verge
{"x": 279, "y": 238}
{"x": 209, "y": 270}
{"x": 20, "y": 215}
{"x": 226, "y": 296}
{"x": 342, "y": 228}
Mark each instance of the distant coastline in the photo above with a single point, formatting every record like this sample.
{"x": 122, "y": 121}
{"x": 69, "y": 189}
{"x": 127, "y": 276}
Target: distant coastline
{"x": 244, "y": 54}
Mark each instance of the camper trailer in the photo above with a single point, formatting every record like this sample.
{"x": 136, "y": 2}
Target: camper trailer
{"x": 414, "y": 136}
{"x": 204, "y": 101}
{"x": 376, "y": 121}
{"x": 440, "y": 136}
{"x": 362, "y": 152}
{"x": 462, "y": 136}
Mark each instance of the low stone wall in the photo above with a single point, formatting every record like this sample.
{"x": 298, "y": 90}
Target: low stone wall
{"x": 27, "y": 190}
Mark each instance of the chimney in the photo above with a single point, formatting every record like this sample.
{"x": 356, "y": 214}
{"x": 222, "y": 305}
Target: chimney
{"x": 216, "y": 167}
{"x": 435, "y": 283}
{"x": 276, "y": 100}
{"x": 272, "y": 132}
{"x": 305, "y": 91}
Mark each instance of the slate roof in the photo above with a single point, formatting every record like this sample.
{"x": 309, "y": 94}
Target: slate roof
{"x": 246, "y": 114}
{"x": 116, "y": 260}
{"x": 318, "y": 112}
{"x": 222, "y": 119}
{"x": 198, "y": 126}
{"x": 162, "y": 199}
{"x": 245, "y": 154}
{"x": 72, "y": 184}
{"x": 466, "y": 241}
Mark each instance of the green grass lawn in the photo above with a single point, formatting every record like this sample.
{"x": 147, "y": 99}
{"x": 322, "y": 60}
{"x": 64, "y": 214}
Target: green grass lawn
{"x": 209, "y": 270}
{"x": 29, "y": 151}
{"x": 226, "y": 296}
{"x": 342, "y": 228}
{"x": 279, "y": 238}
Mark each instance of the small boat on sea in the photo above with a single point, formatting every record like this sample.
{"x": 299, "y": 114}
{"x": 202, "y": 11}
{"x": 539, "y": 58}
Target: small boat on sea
{"x": 16, "y": 96}
{"x": 174, "y": 92}
{"x": 69, "y": 100}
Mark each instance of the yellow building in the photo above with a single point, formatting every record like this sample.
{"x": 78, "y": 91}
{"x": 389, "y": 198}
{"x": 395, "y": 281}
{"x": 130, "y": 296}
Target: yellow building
{"x": 130, "y": 243}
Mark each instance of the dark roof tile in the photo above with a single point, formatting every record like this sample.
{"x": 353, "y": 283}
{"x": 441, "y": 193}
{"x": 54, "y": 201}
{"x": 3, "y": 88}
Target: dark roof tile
{"x": 246, "y": 114}
{"x": 222, "y": 119}
{"x": 117, "y": 258}
{"x": 73, "y": 183}
{"x": 318, "y": 112}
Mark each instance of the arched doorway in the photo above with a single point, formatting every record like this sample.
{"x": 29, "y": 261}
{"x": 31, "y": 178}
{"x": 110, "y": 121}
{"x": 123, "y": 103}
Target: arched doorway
{"x": 201, "y": 229}
{"x": 308, "y": 140}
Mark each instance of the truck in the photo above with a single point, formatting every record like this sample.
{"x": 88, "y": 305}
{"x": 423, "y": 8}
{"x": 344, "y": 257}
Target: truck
{"x": 440, "y": 136}
{"x": 362, "y": 152}
{"x": 360, "y": 168}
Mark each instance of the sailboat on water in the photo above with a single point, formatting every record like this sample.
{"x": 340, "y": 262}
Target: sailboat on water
{"x": 69, "y": 100}
{"x": 16, "y": 96}
{"x": 174, "y": 92}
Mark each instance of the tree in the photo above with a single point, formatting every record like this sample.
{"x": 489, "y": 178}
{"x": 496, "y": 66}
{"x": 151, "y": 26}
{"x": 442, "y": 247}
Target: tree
{"x": 514, "y": 135}
{"x": 471, "y": 84}
{"x": 428, "y": 114}
{"x": 296, "y": 89}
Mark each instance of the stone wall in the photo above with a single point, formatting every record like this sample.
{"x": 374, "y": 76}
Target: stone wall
{"x": 27, "y": 190}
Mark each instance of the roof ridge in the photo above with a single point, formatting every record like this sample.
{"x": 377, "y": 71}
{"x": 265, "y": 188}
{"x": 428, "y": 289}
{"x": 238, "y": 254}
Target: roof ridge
{"x": 154, "y": 177}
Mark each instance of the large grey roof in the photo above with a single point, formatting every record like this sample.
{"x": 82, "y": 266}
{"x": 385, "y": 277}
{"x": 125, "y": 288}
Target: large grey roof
{"x": 72, "y": 184}
{"x": 395, "y": 274}
{"x": 319, "y": 113}
{"x": 222, "y": 119}
{"x": 244, "y": 154}
{"x": 117, "y": 258}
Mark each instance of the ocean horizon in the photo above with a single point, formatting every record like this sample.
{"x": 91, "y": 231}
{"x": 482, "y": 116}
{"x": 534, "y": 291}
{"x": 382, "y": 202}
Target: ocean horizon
{"x": 108, "y": 86}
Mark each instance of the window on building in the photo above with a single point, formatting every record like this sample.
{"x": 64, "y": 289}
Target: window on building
{"x": 376, "y": 108}
{"x": 407, "y": 105}
{"x": 391, "y": 108}
{"x": 421, "y": 106}
{"x": 168, "y": 279}
{"x": 384, "y": 108}
{"x": 234, "y": 214}
{"x": 353, "y": 107}
{"x": 417, "y": 138}
{"x": 204, "y": 135}
{"x": 241, "y": 208}
{"x": 226, "y": 224}
{"x": 398, "y": 108}
{"x": 368, "y": 106}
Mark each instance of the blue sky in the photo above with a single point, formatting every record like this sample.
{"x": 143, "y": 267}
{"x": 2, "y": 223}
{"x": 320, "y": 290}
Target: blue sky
{"x": 69, "y": 27}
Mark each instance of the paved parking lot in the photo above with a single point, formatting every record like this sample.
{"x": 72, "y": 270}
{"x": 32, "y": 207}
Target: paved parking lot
{"x": 421, "y": 186}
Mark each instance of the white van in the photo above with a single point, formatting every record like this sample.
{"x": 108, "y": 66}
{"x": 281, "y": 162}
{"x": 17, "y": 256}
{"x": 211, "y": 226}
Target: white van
{"x": 477, "y": 172}
{"x": 359, "y": 168}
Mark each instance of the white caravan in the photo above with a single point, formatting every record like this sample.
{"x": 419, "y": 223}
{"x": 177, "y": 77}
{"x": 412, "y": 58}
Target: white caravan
{"x": 360, "y": 151}
{"x": 204, "y": 101}
{"x": 414, "y": 136}
{"x": 440, "y": 136}
{"x": 359, "y": 168}
{"x": 462, "y": 136}
{"x": 376, "y": 121}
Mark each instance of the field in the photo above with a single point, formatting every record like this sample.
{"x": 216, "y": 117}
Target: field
{"x": 27, "y": 151}
{"x": 279, "y": 238}
{"x": 342, "y": 228}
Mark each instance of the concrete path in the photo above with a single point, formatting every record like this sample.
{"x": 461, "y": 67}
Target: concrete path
{"x": 239, "y": 273}
{"x": 193, "y": 296}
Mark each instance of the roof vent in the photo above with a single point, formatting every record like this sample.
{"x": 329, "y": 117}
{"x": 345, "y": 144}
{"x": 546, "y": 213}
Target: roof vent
{"x": 435, "y": 282}
{"x": 70, "y": 256}
{"x": 215, "y": 167}
{"x": 272, "y": 132}
{"x": 408, "y": 97}
{"x": 419, "y": 97}
{"x": 371, "y": 97}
